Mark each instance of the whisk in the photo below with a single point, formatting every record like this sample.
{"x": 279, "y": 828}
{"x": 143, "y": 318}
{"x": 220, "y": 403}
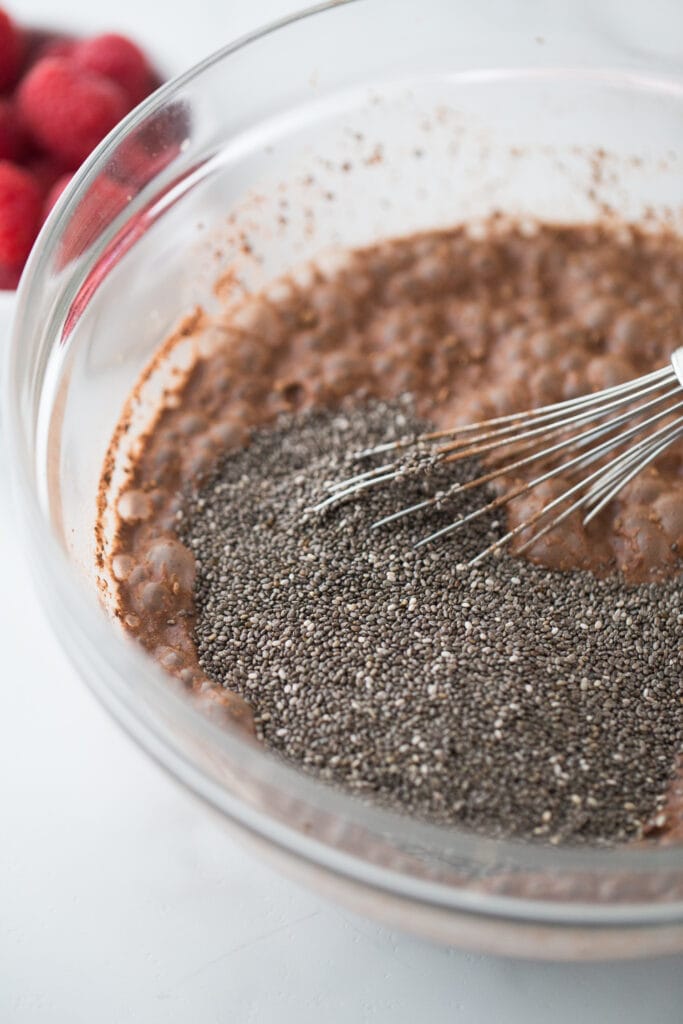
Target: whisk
{"x": 619, "y": 431}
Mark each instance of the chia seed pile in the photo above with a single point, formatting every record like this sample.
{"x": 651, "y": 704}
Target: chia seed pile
{"x": 505, "y": 698}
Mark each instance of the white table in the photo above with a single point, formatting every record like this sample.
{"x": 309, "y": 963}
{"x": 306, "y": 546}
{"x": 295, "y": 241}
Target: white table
{"x": 122, "y": 900}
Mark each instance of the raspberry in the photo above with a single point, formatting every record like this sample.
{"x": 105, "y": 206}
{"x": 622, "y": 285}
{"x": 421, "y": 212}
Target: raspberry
{"x": 39, "y": 44}
{"x": 103, "y": 201}
{"x": 45, "y": 171}
{"x": 55, "y": 192}
{"x": 12, "y": 137}
{"x": 136, "y": 164}
{"x": 153, "y": 146}
{"x": 58, "y": 46}
{"x": 21, "y": 207}
{"x": 68, "y": 109}
{"x": 120, "y": 60}
{"x": 11, "y": 51}
{"x": 9, "y": 277}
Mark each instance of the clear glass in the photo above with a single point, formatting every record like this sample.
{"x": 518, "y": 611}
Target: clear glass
{"x": 368, "y": 118}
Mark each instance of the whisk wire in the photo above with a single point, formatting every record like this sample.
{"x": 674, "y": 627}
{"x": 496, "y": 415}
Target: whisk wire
{"x": 615, "y": 430}
{"x": 641, "y": 385}
{"x": 544, "y": 454}
{"x": 584, "y": 458}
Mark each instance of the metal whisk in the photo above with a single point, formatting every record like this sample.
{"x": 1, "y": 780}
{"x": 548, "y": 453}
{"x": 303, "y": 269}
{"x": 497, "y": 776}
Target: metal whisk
{"x": 620, "y": 430}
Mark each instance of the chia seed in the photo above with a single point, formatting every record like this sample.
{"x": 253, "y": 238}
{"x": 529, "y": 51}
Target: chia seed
{"x": 507, "y": 698}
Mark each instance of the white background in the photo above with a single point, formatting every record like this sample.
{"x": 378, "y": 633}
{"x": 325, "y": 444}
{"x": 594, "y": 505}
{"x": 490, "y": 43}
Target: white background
{"x": 121, "y": 899}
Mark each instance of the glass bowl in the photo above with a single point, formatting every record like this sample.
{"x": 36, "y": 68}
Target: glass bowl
{"x": 338, "y": 126}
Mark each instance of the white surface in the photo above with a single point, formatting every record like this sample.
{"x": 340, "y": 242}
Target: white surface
{"x": 122, "y": 900}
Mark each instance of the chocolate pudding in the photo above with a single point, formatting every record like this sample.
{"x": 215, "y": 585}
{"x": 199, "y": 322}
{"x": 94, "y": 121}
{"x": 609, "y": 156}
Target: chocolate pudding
{"x": 469, "y": 326}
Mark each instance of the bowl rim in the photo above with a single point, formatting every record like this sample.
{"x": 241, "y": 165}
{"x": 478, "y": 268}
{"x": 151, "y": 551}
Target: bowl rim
{"x": 88, "y": 629}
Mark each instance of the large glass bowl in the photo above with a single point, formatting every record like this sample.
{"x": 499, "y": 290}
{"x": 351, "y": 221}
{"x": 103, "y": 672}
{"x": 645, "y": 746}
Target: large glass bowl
{"x": 347, "y": 123}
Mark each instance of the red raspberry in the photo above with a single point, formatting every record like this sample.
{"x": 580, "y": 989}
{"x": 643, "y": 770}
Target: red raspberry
{"x": 103, "y": 201}
{"x": 21, "y": 208}
{"x": 155, "y": 145}
{"x": 45, "y": 171}
{"x": 55, "y": 192}
{"x": 9, "y": 277}
{"x": 67, "y": 109}
{"x": 39, "y": 43}
{"x": 58, "y": 46}
{"x": 11, "y": 51}
{"x": 12, "y": 136}
{"x": 120, "y": 60}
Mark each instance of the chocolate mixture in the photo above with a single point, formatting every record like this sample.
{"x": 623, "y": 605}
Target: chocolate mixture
{"x": 471, "y": 327}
